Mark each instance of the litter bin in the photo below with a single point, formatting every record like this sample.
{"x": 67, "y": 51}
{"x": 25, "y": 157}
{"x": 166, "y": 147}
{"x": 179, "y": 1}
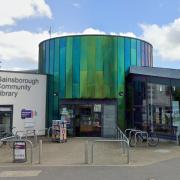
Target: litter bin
{"x": 19, "y": 152}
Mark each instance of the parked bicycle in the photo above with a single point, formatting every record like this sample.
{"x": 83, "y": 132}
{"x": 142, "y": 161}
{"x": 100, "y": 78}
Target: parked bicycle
{"x": 4, "y": 134}
{"x": 139, "y": 137}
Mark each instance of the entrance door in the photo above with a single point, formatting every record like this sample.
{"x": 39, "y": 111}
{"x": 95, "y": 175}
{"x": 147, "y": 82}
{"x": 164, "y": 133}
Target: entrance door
{"x": 90, "y": 121}
{"x": 5, "y": 119}
{"x": 109, "y": 120}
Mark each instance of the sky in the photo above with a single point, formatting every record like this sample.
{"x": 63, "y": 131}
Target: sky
{"x": 25, "y": 23}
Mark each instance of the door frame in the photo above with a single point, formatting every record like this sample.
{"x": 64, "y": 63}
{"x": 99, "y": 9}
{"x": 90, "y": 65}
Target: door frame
{"x": 11, "y": 117}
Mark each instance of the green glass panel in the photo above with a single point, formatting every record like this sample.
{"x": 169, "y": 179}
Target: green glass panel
{"x": 83, "y": 84}
{"x": 62, "y": 70}
{"x": 115, "y": 69}
{"x": 83, "y": 68}
{"x": 99, "y": 93}
{"x": 107, "y": 69}
{"x": 56, "y": 79}
{"x": 91, "y": 65}
{"x": 69, "y": 68}
{"x": 76, "y": 67}
{"x": 56, "y": 66}
{"x": 121, "y": 82}
{"x": 99, "y": 89}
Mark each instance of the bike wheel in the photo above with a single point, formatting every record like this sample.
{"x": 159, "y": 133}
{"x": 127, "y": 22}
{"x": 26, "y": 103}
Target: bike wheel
{"x": 11, "y": 144}
{"x": 132, "y": 142}
{"x": 153, "y": 139}
{"x": 1, "y": 143}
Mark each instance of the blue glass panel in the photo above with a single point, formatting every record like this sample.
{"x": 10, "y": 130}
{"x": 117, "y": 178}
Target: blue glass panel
{"x": 44, "y": 58}
{"x": 47, "y": 56}
{"x": 62, "y": 73}
{"x": 145, "y": 54}
{"x": 127, "y": 54}
{"x": 138, "y": 53}
{"x": 142, "y": 54}
{"x": 133, "y": 53}
{"x": 76, "y": 68}
{"x": 151, "y": 56}
{"x": 51, "y": 69}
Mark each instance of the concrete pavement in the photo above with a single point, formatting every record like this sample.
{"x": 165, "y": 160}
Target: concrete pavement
{"x": 72, "y": 153}
{"x": 165, "y": 170}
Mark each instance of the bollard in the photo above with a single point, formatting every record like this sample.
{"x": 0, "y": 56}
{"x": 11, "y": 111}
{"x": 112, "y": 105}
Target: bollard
{"x": 92, "y": 153}
{"x": 86, "y": 153}
{"x": 40, "y": 151}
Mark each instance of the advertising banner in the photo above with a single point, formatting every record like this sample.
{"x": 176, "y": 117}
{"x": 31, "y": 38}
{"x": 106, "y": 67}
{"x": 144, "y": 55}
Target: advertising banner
{"x": 20, "y": 151}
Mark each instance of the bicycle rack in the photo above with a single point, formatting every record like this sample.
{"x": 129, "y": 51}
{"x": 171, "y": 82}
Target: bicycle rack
{"x": 9, "y": 139}
{"x": 141, "y": 132}
{"x": 133, "y": 130}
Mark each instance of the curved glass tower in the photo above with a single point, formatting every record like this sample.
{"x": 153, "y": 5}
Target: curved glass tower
{"x": 90, "y": 68}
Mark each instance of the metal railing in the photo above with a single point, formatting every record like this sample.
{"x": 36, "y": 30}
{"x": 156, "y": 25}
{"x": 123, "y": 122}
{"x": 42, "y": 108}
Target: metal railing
{"x": 13, "y": 139}
{"x": 109, "y": 140}
{"x": 121, "y": 136}
{"x": 141, "y": 133}
{"x": 136, "y": 132}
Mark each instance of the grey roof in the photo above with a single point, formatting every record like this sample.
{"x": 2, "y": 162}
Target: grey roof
{"x": 155, "y": 71}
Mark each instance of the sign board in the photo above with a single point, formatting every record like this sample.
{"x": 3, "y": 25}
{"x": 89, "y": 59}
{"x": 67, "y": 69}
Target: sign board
{"x": 27, "y": 94}
{"x": 20, "y": 151}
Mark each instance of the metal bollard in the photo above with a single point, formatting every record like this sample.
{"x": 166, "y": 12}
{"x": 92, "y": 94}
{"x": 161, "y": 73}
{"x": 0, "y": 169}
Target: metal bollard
{"x": 40, "y": 151}
{"x": 92, "y": 153}
{"x": 86, "y": 153}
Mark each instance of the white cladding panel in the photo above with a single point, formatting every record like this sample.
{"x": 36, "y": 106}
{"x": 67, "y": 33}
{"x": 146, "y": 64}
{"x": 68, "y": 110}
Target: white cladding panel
{"x": 27, "y": 94}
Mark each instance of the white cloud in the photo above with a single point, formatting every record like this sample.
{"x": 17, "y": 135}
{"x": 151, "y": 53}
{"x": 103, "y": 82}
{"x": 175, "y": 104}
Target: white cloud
{"x": 77, "y": 5}
{"x": 127, "y": 34}
{"x": 13, "y": 69}
{"x": 23, "y": 45}
{"x": 165, "y": 39}
{"x": 13, "y": 10}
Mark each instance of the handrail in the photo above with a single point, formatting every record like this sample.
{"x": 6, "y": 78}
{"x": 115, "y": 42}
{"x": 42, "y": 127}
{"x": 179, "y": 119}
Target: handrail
{"x": 109, "y": 140}
{"x": 121, "y": 136}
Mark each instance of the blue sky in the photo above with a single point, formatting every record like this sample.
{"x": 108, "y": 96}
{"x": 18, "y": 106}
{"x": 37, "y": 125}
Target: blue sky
{"x": 26, "y": 23}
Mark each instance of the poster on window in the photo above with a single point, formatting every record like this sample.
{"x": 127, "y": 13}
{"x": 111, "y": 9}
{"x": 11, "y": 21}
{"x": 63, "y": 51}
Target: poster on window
{"x": 175, "y": 113}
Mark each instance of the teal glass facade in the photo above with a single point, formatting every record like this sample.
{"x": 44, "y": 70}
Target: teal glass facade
{"x": 90, "y": 67}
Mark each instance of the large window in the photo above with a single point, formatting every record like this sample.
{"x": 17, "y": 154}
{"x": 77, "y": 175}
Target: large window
{"x": 159, "y": 107}
{"x": 154, "y": 103}
{"x": 175, "y": 108}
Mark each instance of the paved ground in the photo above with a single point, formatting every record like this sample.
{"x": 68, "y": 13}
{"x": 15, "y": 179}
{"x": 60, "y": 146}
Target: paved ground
{"x": 72, "y": 153}
{"x": 165, "y": 170}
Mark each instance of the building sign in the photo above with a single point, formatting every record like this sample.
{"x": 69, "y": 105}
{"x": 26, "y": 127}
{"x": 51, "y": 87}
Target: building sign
{"x": 26, "y": 93}
{"x": 25, "y": 113}
{"x": 11, "y": 86}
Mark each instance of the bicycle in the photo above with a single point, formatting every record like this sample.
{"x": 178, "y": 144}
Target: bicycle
{"x": 149, "y": 137}
{"x": 4, "y": 134}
